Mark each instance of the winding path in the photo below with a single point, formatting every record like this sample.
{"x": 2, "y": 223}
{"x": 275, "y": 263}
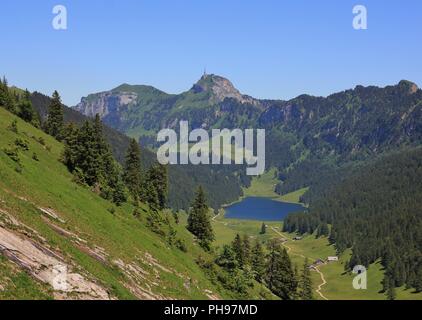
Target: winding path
{"x": 324, "y": 282}
{"x": 289, "y": 250}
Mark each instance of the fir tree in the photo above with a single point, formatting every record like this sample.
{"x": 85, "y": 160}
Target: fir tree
{"x": 88, "y": 155}
{"x": 280, "y": 277}
{"x": 305, "y": 283}
{"x": 151, "y": 196}
{"x": 132, "y": 171}
{"x": 157, "y": 178}
{"x": 417, "y": 282}
{"x": 199, "y": 223}
{"x": 119, "y": 194}
{"x": 246, "y": 245}
{"x": 391, "y": 290}
{"x": 70, "y": 152}
{"x": 323, "y": 230}
{"x": 227, "y": 259}
{"x": 26, "y": 111}
{"x": 6, "y": 99}
{"x": 109, "y": 170}
{"x": 258, "y": 261}
{"x": 238, "y": 249}
{"x": 263, "y": 228}
{"x": 55, "y": 123}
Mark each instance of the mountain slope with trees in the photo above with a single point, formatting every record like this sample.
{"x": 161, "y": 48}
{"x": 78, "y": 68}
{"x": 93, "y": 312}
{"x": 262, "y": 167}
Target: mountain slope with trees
{"x": 305, "y": 137}
{"x": 183, "y": 180}
{"x": 376, "y": 211}
{"x": 51, "y": 216}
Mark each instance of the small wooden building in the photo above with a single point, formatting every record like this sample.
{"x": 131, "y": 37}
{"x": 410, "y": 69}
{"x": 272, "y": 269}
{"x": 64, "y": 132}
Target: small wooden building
{"x": 332, "y": 259}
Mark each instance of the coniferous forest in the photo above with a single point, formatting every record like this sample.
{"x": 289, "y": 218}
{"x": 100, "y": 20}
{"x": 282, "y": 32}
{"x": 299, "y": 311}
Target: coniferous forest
{"x": 376, "y": 211}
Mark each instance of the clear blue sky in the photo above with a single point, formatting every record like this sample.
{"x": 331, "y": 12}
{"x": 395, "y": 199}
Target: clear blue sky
{"x": 268, "y": 48}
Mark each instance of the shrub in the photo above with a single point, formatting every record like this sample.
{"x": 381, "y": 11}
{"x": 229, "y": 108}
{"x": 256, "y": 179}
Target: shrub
{"x": 180, "y": 244}
{"x": 13, "y": 126}
{"x": 136, "y": 213}
{"x": 78, "y": 177}
{"x": 41, "y": 141}
{"x": 22, "y": 144}
{"x": 12, "y": 153}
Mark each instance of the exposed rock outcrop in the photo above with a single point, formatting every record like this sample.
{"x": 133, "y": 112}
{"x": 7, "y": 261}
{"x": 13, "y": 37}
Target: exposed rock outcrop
{"x": 49, "y": 267}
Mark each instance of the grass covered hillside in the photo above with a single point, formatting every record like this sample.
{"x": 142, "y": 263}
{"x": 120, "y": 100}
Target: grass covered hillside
{"x": 49, "y": 224}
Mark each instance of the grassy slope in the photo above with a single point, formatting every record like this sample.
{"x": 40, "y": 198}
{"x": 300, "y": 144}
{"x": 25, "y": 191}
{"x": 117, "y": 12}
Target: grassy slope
{"x": 48, "y": 184}
{"x": 339, "y": 284}
{"x": 264, "y": 185}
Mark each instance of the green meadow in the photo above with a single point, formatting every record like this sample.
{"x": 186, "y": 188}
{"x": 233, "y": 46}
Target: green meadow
{"x": 339, "y": 284}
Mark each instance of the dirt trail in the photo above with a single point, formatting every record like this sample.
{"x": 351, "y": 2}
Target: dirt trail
{"x": 324, "y": 282}
{"x": 289, "y": 250}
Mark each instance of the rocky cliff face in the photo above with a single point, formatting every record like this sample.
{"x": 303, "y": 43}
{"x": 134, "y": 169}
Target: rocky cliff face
{"x": 106, "y": 103}
{"x": 146, "y": 109}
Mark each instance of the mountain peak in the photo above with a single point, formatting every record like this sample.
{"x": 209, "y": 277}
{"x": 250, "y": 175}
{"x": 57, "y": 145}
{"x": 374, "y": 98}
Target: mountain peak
{"x": 409, "y": 86}
{"x": 220, "y": 88}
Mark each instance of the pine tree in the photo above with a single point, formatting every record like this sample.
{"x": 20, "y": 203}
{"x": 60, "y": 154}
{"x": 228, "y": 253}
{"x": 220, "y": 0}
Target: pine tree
{"x": 305, "y": 283}
{"x": 333, "y": 235}
{"x": 263, "y": 228}
{"x": 6, "y": 99}
{"x": 88, "y": 155}
{"x": 112, "y": 187}
{"x": 70, "y": 152}
{"x": 55, "y": 122}
{"x": 26, "y": 111}
{"x": 258, "y": 261}
{"x": 199, "y": 223}
{"x": 246, "y": 250}
{"x": 227, "y": 259}
{"x": 280, "y": 277}
{"x": 132, "y": 171}
{"x": 119, "y": 194}
{"x": 238, "y": 249}
{"x": 391, "y": 290}
{"x": 323, "y": 230}
{"x": 157, "y": 178}
{"x": 417, "y": 279}
{"x": 151, "y": 196}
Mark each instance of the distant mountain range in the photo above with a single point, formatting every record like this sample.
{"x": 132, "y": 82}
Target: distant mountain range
{"x": 355, "y": 124}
